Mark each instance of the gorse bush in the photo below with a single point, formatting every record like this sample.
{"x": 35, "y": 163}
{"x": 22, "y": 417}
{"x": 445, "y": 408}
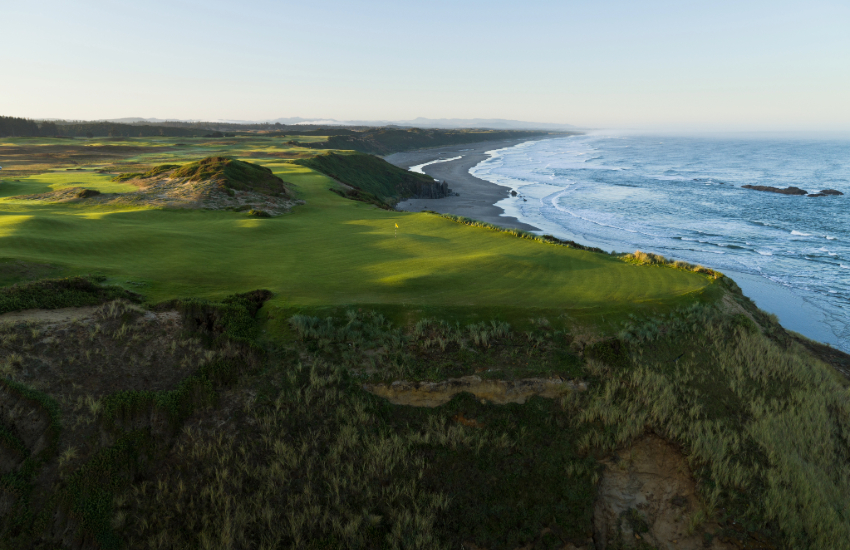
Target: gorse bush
{"x": 60, "y": 293}
{"x": 153, "y": 172}
{"x": 369, "y": 329}
{"x": 647, "y": 258}
{"x": 357, "y": 331}
{"x": 32, "y": 439}
{"x": 133, "y": 430}
{"x": 373, "y": 178}
{"x": 232, "y": 319}
{"x": 328, "y": 465}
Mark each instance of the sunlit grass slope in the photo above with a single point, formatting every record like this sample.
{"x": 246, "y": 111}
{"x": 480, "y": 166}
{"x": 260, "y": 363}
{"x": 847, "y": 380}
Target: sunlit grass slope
{"x": 331, "y": 251}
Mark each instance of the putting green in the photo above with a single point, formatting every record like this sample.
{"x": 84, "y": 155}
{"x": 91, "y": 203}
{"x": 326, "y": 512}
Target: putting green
{"x": 330, "y": 251}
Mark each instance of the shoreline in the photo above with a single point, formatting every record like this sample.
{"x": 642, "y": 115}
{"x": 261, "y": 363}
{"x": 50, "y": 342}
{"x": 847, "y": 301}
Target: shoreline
{"x": 477, "y": 197}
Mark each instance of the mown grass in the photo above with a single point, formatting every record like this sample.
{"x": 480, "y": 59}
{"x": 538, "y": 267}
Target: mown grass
{"x": 61, "y": 179}
{"x": 332, "y": 251}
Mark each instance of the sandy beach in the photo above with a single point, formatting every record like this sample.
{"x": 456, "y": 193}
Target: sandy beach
{"x": 477, "y": 197}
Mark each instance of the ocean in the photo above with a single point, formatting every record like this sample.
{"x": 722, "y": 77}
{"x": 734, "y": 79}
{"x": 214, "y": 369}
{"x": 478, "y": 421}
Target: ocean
{"x": 682, "y": 197}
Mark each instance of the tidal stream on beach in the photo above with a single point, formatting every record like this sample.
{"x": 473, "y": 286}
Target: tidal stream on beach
{"x": 682, "y": 197}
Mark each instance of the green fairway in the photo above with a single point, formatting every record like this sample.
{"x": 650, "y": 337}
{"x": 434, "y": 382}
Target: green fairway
{"x": 330, "y": 251}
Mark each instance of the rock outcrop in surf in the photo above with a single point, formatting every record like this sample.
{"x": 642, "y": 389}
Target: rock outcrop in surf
{"x": 793, "y": 191}
{"x": 786, "y": 191}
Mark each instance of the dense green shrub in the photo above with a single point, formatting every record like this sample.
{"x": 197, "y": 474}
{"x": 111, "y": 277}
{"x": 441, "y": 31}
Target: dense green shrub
{"x": 369, "y": 175}
{"x": 59, "y": 293}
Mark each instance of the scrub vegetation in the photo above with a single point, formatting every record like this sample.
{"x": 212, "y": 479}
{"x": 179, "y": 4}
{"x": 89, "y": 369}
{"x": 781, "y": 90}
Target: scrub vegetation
{"x": 370, "y": 175}
{"x": 177, "y": 407}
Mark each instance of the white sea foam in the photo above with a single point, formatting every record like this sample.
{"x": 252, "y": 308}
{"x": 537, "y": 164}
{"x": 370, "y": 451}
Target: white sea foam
{"x": 573, "y": 193}
{"x": 418, "y": 168}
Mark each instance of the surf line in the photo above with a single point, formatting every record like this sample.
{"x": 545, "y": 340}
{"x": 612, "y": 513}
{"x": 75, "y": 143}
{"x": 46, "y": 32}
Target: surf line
{"x": 418, "y": 168}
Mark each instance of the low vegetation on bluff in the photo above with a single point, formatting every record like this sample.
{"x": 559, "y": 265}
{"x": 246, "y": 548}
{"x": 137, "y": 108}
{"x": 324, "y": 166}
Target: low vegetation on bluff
{"x": 266, "y": 434}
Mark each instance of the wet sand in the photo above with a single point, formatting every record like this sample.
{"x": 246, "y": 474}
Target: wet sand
{"x": 477, "y": 197}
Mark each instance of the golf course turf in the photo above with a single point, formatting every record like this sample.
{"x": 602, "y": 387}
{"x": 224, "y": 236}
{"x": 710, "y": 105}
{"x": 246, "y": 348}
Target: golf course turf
{"x": 328, "y": 252}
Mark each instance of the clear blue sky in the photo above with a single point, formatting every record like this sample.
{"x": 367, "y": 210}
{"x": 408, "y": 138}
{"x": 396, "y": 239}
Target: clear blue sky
{"x": 756, "y": 65}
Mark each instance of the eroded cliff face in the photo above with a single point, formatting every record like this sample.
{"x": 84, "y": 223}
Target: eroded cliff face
{"x": 434, "y": 394}
{"x": 647, "y": 499}
{"x": 434, "y": 190}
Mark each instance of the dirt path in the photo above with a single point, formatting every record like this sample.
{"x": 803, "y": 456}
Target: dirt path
{"x": 63, "y": 315}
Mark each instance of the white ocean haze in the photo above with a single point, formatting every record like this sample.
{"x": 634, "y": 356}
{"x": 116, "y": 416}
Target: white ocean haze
{"x": 682, "y": 197}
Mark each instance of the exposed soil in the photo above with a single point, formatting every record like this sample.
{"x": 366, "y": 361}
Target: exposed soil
{"x": 648, "y": 499}
{"x": 79, "y": 355}
{"x": 63, "y": 315}
{"x": 92, "y": 351}
{"x": 500, "y": 392}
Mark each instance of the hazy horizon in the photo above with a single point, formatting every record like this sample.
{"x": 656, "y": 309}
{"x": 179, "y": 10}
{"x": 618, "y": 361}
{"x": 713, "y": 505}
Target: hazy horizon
{"x": 757, "y": 66}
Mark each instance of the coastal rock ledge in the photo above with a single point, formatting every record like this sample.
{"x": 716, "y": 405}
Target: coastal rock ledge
{"x": 793, "y": 191}
{"x": 787, "y": 191}
{"x": 826, "y": 193}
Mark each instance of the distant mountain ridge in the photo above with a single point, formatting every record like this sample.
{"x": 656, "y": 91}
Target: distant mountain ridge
{"x": 420, "y": 122}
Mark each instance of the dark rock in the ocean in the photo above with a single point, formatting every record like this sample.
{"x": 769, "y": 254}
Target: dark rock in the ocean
{"x": 787, "y": 191}
{"x": 815, "y": 195}
{"x": 513, "y": 192}
{"x": 830, "y": 192}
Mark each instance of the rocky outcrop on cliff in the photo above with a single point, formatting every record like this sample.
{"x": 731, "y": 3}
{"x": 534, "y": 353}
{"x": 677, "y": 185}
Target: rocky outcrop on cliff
{"x": 434, "y": 190}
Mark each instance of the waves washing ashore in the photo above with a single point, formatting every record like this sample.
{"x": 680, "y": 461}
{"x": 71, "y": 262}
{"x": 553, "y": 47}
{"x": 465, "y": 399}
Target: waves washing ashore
{"x": 682, "y": 197}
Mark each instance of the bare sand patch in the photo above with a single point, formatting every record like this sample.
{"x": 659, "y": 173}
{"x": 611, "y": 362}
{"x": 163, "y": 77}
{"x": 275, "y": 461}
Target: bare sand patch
{"x": 500, "y": 392}
{"x": 648, "y": 496}
{"x": 63, "y": 315}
